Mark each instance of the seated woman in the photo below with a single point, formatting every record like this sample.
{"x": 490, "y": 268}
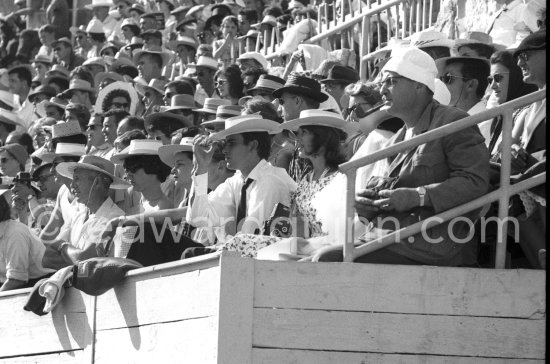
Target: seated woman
{"x": 145, "y": 171}
{"x": 319, "y": 134}
{"x": 229, "y": 84}
{"x": 20, "y": 251}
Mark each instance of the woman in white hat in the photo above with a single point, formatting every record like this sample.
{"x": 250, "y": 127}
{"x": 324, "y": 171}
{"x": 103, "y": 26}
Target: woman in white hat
{"x": 318, "y": 136}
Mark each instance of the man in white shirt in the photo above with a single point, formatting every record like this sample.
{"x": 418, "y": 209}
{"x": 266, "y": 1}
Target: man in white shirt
{"x": 20, "y": 79}
{"x": 243, "y": 202}
{"x": 92, "y": 177}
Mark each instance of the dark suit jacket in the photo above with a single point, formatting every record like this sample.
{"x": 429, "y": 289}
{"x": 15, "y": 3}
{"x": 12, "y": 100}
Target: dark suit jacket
{"x": 454, "y": 170}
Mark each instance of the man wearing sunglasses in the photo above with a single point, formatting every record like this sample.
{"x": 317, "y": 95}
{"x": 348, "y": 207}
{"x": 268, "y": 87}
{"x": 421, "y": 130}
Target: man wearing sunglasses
{"x": 429, "y": 179}
{"x": 466, "y": 80}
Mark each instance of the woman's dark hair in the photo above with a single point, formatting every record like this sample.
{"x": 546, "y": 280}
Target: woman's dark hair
{"x": 151, "y": 164}
{"x": 5, "y": 209}
{"x": 98, "y": 37}
{"x": 264, "y": 142}
{"x": 166, "y": 126}
{"x": 108, "y": 100}
{"x": 233, "y": 75}
{"x": 24, "y": 139}
{"x": 516, "y": 86}
{"x": 329, "y": 138}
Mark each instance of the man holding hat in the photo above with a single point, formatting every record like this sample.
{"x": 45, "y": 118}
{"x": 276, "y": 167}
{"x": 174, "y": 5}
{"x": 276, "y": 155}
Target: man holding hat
{"x": 243, "y": 202}
{"x": 431, "y": 178}
{"x": 92, "y": 178}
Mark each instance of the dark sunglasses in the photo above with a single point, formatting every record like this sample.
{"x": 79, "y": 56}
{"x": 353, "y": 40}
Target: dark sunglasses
{"x": 448, "y": 78}
{"x": 360, "y": 109}
{"x": 498, "y": 77}
{"x": 220, "y": 82}
{"x": 524, "y": 56}
{"x": 120, "y": 105}
{"x": 132, "y": 167}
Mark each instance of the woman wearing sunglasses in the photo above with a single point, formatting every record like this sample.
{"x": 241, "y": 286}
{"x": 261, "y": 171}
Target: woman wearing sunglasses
{"x": 229, "y": 84}
{"x": 506, "y": 83}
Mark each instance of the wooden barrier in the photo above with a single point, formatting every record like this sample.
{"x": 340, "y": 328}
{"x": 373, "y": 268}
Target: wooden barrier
{"x": 223, "y": 308}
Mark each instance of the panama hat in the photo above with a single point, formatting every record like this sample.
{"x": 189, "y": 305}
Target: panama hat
{"x": 107, "y": 46}
{"x": 431, "y": 38}
{"x": 130, "y": 22}
{"x": 138, "y": 147}
{"x": 102, "y": 76}
{"x": 56, "y": 101}
{"x": 181, "y": 102}
{"x": 80, "y": 85}
{"x": 182, "y": 40}
{"x": 7, "y": 98}
{"x": 208, "y": 62}
{"x": 302, "y": 85}
{"x": 165, "y": 56}
{"x": 93, "y": 163}
{"x": 96, "y": 61}
{"x": 58, "y": 69}
{"x": 255, "y": 56}
{"x": 98, "y": 3}
{"x": 69, "y": 150}
{"x": 44, "y": 90}
{"x": 167, "y": 116}
{"x": 267, "y": 82}
{"x": 414, "y": 64}
{"x": 319, "y": 118}
{"x": 18, "y": 152}
{"x": 247, "y": 124}
{"x": 167, "y": 153}
{"x": 223, "y": 113}
{"x": 62, "y": 129}
{"x": 65, "y": 40}
{"x": 42, "y": 58}
{"x": 95, "y": 26}
{"x": 211, "y": 105}
{"x": 154, "y": 84}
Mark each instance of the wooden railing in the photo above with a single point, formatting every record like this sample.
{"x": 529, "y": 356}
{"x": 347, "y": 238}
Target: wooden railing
{"x": 502, "y": 194}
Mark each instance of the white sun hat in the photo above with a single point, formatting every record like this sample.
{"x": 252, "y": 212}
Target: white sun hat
{"x": 314, "y": 117}
{"x": 414, "y": 64}
{"x": 247, "y": 124}
{"x": 167, "y": 153}
{"x": 138, "y": 147}
{"x": 93, "y": 163}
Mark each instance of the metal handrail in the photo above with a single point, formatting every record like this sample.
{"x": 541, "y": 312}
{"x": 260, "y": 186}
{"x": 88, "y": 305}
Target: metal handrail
{"x": 502, "y": 194}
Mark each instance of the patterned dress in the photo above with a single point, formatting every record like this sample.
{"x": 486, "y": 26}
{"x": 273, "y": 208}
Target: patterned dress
{"x": 248, "y": 244}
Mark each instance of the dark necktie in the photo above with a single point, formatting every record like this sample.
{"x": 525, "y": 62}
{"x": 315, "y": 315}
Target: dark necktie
{"x": 241, "y": 209}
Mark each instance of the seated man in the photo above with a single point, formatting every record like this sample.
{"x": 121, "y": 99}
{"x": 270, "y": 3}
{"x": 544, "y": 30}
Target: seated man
{"x": 92, "y": 177}
{"x": 243, "y": 202}
{"x": 428, "y": 179}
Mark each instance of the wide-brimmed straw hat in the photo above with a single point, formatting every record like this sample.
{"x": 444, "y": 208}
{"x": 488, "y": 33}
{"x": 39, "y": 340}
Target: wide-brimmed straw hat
{"x": 154, "y": 84}
{"x": 62, "y": 129}
{"x": 138, "y": 147}
{"x": 258, "y": 57}
{"x": 431, "y": 38}
{"x": 167, "y": 153}
{"x": 165, "y": 56}
{"x": 268, "y": 83}
{"x": 93, "y": 163}
{"x": 223, "y": 113}
{"x": 42, "y": 89}
{"x": 302, "y": 85}
{"x": 181, "y": 102}
{"x": 319, "y": 118}
{"x": 168, "y": 116}
{"x": 247, "y": 124}
{"x": 42, "y": 58}
{"x": 56, "y": 101}
{"x": 80, "y": 85}
{"x": 62, "y": 150}
{"x": 211, "y": 105}
{"x": 95, "y": 61}
{"x": 97, "y": 3}
{"x": 207, "y": 62}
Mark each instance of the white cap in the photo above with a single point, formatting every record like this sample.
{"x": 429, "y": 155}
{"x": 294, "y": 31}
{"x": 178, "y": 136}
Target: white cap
{"x": 414, "y": 64}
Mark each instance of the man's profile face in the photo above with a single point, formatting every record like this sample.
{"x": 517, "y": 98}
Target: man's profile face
{"x": 109, "y": 129}
{"x": 533, "y": 66}
{"x": 235, "y": 151}
{"x": 82, "y": 185}
{"x": 16, "y": 85}
{"x": 290, "y": 106}
{"x": 61, "y": 50}
{"x": 146, "y": 66}
{"x": 396, "y": 93}
{"x": 456, "y": 83}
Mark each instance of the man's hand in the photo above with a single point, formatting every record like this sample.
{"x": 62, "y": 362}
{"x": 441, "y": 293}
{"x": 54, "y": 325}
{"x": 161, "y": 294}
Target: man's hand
{"x": 364, "y": 204}
{"x": 400, "y": 199}
{"x": 203, "y": 152}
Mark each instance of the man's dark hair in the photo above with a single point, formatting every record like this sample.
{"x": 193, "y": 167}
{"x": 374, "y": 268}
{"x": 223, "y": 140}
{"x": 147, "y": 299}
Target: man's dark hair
{"x": 82, "y": 73}
{"x": 437, "y": 51}
{"x": 23, "y": 73}
{"x": 5, "y": 209}
{"x": 475, "y": 70}
{"x": 260, "y": 105}
{"x": 329, "y": 138}
{"x": 166, "y": 126}
{"x": 264, "y": 142}
{"x": 78, "y": 139}
{"x": 182, "y": 87}
{"x": 135, "y": 123}
{"x": 98, "y": 37}
{"x": 310, "y": 103}
{"x": 151, "y": 164}
{"x": 116, "y": 114}
{"x": 61, "y": 83}
{"x": 155, "y": 58}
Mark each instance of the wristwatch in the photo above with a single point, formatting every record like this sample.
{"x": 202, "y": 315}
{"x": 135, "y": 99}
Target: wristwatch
{"x": 422, "y": 195}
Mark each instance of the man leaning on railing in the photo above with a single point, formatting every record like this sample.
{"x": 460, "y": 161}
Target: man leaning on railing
{"x": 425, "y": 180}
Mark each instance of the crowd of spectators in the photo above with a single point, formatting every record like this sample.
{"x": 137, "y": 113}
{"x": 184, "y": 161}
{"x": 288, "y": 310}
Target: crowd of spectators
{"x": 164, "y": 121}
